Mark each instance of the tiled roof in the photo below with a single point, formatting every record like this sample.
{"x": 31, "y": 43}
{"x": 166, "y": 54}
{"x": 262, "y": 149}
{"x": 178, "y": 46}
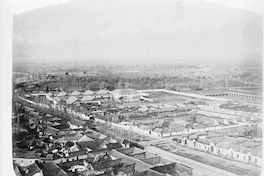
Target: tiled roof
{"x": 94, "y": 145}
{"x": 57, "y": 99}
{"x": 55, "y": 119}
{"x": 111, "y": 146}
{"x": 77, "y": 122}
{"x": 32, "y": 169}
{"x": 51, "y": 169}
{"x": 75, "y": 93}
{"x": 257, "y": 151}
{"x": 71, "y": 100}
{"x": 77, "y": 153}
{"x": 166, "y": 169}
{"x": 88, "y": 92}
{"x": 25, "y": 154}
{"x": 157, "y": 130}
{"x": 203, "y": 141}
{"x": 223, "y": 145}
{"x": 103, "y": 164}
{"x": 87, "y": 98}
{"x": 61, "y": 94}
{"x": 139, "y": 165}
{"x": 74, "y": 137}
{"x": 102, "y": 92}
{"x": 126, "y": 169}
{"x": 51, "y": 131}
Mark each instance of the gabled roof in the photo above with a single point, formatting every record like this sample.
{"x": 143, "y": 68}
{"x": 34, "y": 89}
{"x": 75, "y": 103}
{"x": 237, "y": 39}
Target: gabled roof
{"x": 126, "y": 168}
{"x": 71, "y": 100}
{"x": 77, "y": 153}
{"x": 111, "y": 146}
{"x": 57, "y": 99}
{"x": 28, "y": 109}
{"x": 102, "y": 92}
{"x": 49, "y": 94}
{"x": 167, "y": 169}
{"x": 52, "y": 169}
{"x": 32, "y": 169}
{"x": 62, "y": 94}
{"x": 203, "y": 141}
{"x": 94, "y": 145}
{"x": 257, "y": 151}
{"x": 51, "y": 131}
{"x": 87, "y": 98}
{"x": 54, "y": 119}
{"x": 74, "y": 93}
{"x": 85, "y": 138}
{"x": 223, "y": 145}
{"x": 116, "y": 91}
{"x": 77, "y": 122}
{"x": 88, "y": 92}
{"x": 140, "y": 166}
{"x": 106, "y": 163}
{"x": 157, "y": 130}
{"x": 55, "y": 124}
{"x": 74, "y": 137}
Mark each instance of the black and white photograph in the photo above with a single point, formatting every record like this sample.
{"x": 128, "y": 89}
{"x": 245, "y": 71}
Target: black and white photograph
{"x": 135, "y": 88}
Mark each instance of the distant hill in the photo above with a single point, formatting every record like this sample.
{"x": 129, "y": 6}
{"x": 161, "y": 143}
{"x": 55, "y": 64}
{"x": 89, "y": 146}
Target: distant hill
{"x": 138, "y": 31}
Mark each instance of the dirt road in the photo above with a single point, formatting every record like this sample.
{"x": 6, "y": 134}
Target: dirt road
{"x": 200, "y": 169}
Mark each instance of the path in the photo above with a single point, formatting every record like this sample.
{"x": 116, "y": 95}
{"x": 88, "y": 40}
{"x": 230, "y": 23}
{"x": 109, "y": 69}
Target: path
{"x": 199, "y": 169}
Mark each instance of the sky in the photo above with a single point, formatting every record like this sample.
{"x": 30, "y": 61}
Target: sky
{"x": 20, "y": 6}
{"x": 159, "y": 31}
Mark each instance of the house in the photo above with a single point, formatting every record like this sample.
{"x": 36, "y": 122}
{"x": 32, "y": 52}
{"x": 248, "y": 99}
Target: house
{"x": 75, "y": 93}
{"x": 88, "y": 92}
{"x": 87, "y": 98}
{"x": 51, "y": 131}
{"x": 174, "y": 169}
{"x": 51, "y": 169}
{"x": 25, "y": 158}
{"x": 32, "y": 170}
{"x": 140, "y": 166}
{"x": 62, "y": 94}
{"x": 76, "y": 124}
{"x": 71, "y": 100}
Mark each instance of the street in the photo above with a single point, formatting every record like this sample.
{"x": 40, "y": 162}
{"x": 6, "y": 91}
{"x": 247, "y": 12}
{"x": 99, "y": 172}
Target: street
{"x": 199, "y": 169}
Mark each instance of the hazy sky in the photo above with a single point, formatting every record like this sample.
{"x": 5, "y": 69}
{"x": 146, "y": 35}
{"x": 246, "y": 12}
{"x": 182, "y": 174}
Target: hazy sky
{"x": 21, "y": 6}
{"x": 138, "y": 30}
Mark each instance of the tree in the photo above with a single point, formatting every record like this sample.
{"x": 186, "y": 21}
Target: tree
{"x": 102, "y": 85}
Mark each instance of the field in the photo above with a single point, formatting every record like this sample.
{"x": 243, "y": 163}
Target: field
{"x": 239, "y": 107}
{"x": 168, "y": 98}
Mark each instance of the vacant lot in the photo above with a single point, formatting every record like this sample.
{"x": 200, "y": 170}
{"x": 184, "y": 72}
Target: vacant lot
{"x": 164, "y": 97}
{"x": 239, "y": 107}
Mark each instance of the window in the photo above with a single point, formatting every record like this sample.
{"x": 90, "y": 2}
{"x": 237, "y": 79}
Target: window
{"x": 237, "y": 155}
{"x": 249, "y": 158}
{"x": 256, "y": 160}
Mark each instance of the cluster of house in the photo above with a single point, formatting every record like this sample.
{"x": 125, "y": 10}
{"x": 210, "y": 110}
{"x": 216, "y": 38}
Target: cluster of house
{"x": 65, "y": 147}
{"x": 225, "y": 143}
{"x": 167, "y": 118}
{"x": 89, "y": 96}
